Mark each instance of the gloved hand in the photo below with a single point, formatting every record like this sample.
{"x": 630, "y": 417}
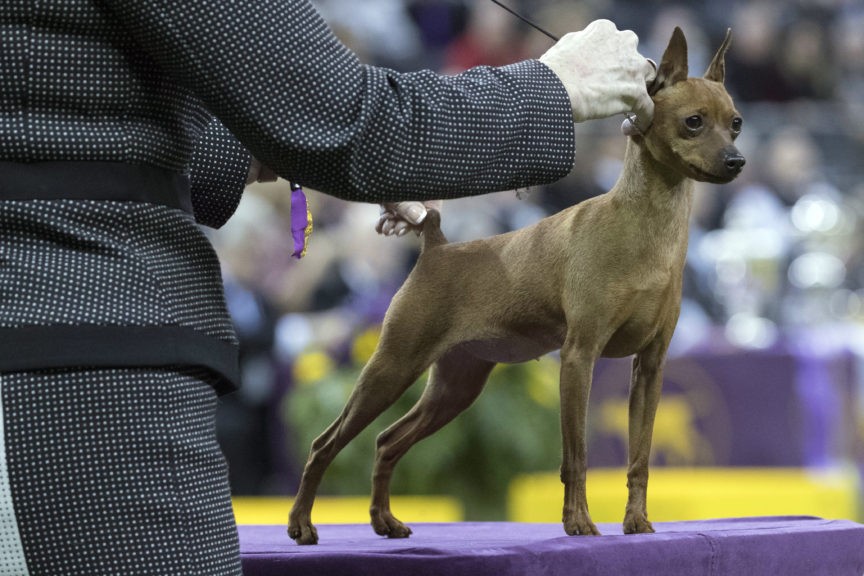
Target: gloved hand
{"x": 397, "y": 218}
{"x": 603, "y": 73}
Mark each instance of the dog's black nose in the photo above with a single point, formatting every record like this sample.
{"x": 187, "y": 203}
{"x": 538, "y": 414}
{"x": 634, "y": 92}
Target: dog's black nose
{"x": 735, "y": 162}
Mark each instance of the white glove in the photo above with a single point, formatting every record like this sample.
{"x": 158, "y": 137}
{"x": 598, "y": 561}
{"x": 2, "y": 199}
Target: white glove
{"x": 397, "y": 218}
{"x": 603, "y": 73}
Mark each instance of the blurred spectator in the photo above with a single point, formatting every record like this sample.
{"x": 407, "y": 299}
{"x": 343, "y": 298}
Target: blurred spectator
{"x": 439, "y": 23}
{"x": 493, "y": 37}
{"x": 245, "y": 419}
{"x": 753, "y": 62}
{"x": 848, "y": 49}
{"x": 377, "y": 30}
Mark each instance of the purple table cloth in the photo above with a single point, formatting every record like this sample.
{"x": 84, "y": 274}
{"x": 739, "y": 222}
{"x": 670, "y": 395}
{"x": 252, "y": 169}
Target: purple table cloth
{"x": 770, "y": 546}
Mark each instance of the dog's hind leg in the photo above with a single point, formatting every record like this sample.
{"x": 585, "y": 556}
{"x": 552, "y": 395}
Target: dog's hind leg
{"x": 381, "y": 383}
{"x": 645, "y": 387}
{"x": 455, "y": 381}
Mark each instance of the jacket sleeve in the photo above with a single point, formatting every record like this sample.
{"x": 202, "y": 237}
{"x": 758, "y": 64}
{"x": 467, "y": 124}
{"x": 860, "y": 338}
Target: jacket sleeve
{"x": 217, "y": 175}
{"x": 301, "y": 102}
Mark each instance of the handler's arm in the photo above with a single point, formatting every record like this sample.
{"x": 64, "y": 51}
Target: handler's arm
{"x": 301, "y": 102}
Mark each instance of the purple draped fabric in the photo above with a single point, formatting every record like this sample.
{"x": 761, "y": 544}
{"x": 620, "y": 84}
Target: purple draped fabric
{"x": 770, "y": 546}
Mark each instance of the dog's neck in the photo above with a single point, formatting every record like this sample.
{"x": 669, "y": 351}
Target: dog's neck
{"x": 650, "y": 184}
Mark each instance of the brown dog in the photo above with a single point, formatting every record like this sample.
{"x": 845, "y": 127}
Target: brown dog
{"x": 602, "y": 278}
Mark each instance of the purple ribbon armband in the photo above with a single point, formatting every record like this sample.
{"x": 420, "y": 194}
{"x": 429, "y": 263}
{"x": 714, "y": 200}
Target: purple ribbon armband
{"x": 301, "y": 220}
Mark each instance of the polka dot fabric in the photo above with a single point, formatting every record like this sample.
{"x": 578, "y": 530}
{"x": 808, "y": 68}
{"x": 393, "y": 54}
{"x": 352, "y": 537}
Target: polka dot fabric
{"x": 82, "y": 266}
{"x": 217, "y": 175}
{"x": 140, "y": 82}
{"x": 117, "y": 472}
{"x": 137, "y": 81}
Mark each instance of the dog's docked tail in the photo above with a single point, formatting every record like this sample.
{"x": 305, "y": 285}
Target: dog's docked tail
{"x": 432, "y": 235}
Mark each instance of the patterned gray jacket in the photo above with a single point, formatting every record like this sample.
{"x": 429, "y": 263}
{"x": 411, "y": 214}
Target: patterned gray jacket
{"x": 159, "y": 83}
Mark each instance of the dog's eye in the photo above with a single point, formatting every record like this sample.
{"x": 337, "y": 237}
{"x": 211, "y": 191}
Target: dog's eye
{"x": 693, "y": 123}
{"x": 737, "y": 123}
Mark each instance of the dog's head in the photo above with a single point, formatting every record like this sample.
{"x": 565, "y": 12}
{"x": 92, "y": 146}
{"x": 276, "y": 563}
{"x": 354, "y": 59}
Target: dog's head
{"x": 695, "y": 121}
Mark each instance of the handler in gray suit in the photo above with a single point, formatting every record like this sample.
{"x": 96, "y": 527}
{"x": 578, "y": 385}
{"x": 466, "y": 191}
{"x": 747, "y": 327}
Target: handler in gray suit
{"x": 114, "y": 338}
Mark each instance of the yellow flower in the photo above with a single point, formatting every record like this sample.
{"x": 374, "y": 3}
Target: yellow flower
{"x": 542, "y": 382}
{"x": 311, "y": 367}
{"x": 364, "y": 345}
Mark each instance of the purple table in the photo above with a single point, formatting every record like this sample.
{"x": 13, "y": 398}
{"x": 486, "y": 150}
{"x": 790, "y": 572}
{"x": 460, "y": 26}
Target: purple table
{"x": 791, "y": 546}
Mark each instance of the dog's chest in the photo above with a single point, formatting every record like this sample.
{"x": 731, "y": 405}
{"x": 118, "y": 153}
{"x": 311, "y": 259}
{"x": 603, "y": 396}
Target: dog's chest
{"x": 651, "y": 306}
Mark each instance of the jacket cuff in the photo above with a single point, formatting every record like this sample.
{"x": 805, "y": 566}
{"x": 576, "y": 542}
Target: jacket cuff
{"x": 550, "y": 119}
{"x": 217, "y": 174}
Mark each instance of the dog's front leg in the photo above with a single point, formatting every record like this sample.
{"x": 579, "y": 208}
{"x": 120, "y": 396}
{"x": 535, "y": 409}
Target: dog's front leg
{"x": 576, "y": 368}
{"x": 645, "y": 387}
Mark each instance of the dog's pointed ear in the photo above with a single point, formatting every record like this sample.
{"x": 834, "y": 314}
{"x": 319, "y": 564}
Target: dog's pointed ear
{"x": 717, "y": 69}
{"x": 673, "y": 67}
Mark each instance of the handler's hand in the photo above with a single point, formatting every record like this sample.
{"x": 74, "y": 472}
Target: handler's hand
{"x": 603, "y": 73}
{"x": 258, "y": 172}
{"x": 397, "y": 218}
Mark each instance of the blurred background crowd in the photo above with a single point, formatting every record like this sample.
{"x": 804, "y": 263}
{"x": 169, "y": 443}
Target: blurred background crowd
{"x": 778, "y": 250}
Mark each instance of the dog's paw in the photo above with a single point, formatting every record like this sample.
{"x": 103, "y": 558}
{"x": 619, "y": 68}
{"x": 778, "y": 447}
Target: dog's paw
{"x": 580, "y": 527}
{"x": 303, "y": 533}
{"x": 637, "y": 524}
{"x": 385, "y": 524}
